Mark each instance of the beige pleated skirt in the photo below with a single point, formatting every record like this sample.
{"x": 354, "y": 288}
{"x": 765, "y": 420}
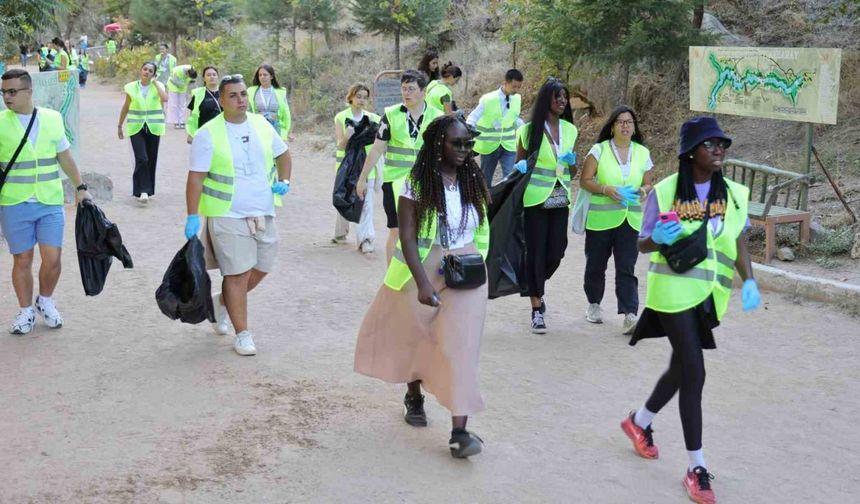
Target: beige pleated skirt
{"x": 402, "y": 340}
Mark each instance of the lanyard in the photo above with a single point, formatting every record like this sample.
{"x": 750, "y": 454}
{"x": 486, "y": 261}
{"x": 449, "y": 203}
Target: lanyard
{"x": 212, "y": 95}
{"x": 618, "y": 156}
{"x": 266, "y": 100}
{"x": 559, "y": 170}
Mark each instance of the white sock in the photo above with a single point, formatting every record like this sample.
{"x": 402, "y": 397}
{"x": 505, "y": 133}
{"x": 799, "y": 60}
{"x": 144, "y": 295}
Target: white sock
{"x": 697, "y": 458}
{"x": 30, "y": 309}
{"x": 643, "y": 417}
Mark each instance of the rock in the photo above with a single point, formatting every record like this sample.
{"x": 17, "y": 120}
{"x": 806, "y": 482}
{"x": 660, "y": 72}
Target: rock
{"x": 816, "y": 231}
{"x": 100, "y": 186}
{"x": 711, "y": 24}
{"x": 855, "y": 250}
{"x": 785, "y": 254}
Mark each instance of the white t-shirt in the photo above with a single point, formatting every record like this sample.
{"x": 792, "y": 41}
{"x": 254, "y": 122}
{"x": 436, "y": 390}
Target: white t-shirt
{"x": 624, "y": 164}
{"x": 144, "y": 90}
{"x": 252, "y": 191}
{"x": 456, "y": 239}
{"x": 61, "y": 146}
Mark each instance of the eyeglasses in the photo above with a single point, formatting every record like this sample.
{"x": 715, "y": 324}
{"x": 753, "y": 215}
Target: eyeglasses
{"x": 234, "y": 77}
{"x": 722, "y": 143}
{"x": 410, "y": 89}
{"x": 462, "y": 144}
{"x": 11, "y": 92}
{"x": 628, "y": 122}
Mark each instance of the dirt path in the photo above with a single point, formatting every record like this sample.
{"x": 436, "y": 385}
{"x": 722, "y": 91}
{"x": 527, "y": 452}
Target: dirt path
{"x": 124, "y": 405}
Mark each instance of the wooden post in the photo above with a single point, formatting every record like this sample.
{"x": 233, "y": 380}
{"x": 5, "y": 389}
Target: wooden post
{"x": 805, "y": 187}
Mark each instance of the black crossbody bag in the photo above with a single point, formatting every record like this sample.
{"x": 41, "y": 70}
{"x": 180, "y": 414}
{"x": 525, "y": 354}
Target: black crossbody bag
{"x": 684, "y": 254}
{"x": 461, "y": 271}
{"x": 5, "y": 172}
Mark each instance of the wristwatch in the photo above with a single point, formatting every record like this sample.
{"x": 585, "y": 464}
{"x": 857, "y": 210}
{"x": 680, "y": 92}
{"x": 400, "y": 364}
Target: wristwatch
{"x": 82, "y": 187}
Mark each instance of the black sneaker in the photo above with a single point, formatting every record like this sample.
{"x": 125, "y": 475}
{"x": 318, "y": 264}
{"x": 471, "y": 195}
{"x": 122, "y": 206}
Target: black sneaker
{"x": 413, "y": 411}
{"x": 464, "y": 444}
{"x": 538, "y": 324}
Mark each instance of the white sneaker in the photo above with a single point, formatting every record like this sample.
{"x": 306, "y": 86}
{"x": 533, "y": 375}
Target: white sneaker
{"x": 593, "y": 314}
{"x": 629, "y": 323}
{"x": 339, "y": 240}
{"x": 144, "y": 198}
{"x": 24, "y": 321}
{"x": 222, "y": 319}
{"x": 244, "y": 344}
{"x": 48, "y": 310}
{"x": 366, "y": 247}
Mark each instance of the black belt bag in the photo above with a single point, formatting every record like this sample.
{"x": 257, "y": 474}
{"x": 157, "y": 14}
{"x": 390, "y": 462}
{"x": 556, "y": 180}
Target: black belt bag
{"x": 461, "y": 271}
{"x": 684, "y": 254}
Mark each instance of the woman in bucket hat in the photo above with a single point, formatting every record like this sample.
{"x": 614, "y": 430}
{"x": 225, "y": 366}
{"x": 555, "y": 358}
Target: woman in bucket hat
{"x": 686, "y": 306}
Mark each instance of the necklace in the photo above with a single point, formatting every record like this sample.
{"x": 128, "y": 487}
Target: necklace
{"x": 449, "y": 181}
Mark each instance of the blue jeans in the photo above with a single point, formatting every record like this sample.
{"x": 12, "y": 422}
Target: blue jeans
{"x": 489, "y": 162}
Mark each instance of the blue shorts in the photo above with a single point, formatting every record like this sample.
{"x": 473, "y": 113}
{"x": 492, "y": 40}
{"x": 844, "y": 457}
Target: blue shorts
{"x": 26, "y": 224}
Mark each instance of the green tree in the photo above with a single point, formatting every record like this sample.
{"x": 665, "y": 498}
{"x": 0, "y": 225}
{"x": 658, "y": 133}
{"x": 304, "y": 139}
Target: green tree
{"x": 607, "y": 34}
{"x": 274, "y": 16}
{"x": 418, "y": 18}
{"x": 173, "y": 18}
{"x": 19, "y": 18}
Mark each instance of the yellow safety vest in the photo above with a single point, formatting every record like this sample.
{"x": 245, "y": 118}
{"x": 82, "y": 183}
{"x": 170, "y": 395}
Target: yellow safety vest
{"x": 171, "y": 64}
{"x": 198, "y": 94}
{"x": 546, "y": 172}
{"x": 36, "y": 171}
{"x": 604, "y": 212}
{"x": 179, "y": 80}
{"x": 142, "y": 110}
{"x": 398, "y": 274}
{"x": 340, "y": 121}
{"x": 671, "y": 292}
{"x": 110, "y": 47}
{"x": 497, "y": 130}
{"x": 434, "y": 94}
{"x": 218, "y": 185}
{"x": 402, "y": 150}
{"x": 284, "y": 116}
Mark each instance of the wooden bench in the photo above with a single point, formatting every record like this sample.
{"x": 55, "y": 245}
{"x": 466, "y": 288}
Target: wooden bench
{"x": 769, "y": 185}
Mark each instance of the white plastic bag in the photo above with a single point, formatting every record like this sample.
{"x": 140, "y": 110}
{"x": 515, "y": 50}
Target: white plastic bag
{"x": 580, "y": 211}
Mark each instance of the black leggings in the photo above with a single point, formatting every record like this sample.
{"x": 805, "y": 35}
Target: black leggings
{"x": 686, "y": 374}
{"x": 145, "y": 146}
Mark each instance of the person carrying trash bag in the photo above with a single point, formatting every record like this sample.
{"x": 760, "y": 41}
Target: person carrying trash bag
{"x": 185, "y": 292}
{"x": 355, "y": 130}
{"x": 98, "y": 241}
{"x": 33, "y": 149}
{"x": 239, "y": 169}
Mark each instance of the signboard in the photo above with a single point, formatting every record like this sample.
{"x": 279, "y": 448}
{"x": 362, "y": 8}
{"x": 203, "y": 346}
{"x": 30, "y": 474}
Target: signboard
{"x": 59, "y": 91}
{"x": 386, "y": 90}
{"x": 794, "y": 84}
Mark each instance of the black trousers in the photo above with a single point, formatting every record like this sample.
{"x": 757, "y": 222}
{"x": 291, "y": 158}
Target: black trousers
{"x": 686, "y": 374}
{"x": 546, "y": 241}
{"x": 620, "y": 243}
{"x": 145, "y": 146}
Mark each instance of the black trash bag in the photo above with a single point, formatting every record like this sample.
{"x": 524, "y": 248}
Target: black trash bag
{"x": 98, "y": 241}
{"x": 344, "y": 198}
{"x": 506, "y": 258}
{"x": 185, "y": 292}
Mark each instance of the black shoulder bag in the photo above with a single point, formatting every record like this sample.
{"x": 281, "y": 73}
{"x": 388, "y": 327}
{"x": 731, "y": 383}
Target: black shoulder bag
{"x": 461, "y": 271}
{"x": 684, "y": 254}
{"x": 5, "y": 171}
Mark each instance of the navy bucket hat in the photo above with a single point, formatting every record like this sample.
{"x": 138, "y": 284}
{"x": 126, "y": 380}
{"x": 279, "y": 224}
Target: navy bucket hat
{"x": 696, "y": 131}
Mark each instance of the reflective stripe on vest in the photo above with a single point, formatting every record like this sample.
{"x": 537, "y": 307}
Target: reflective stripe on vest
{"x": 401, "y": 150}
{"x": 397, "y": 275}
{"x": 36, "y": 172}
{"x": 144, "y": 110}
{"x": 218, "y": 186}
{"x": 544, "y": 176}
{"x": 491, "y": 138}
{"x": 671, "y": 292}
{"x": 603, "y": 211}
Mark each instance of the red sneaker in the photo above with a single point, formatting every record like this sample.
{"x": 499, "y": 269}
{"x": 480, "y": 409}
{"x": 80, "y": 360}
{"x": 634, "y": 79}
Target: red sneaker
{"x": 698, "y": 485}
{"x": 643, "y": 442}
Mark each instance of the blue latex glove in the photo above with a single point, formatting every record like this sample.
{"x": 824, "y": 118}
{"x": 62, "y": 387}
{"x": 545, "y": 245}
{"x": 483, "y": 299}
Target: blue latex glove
{"x": 568, "y": 158}
{"x": 522, "y": 166}
{"x": 192, "y": 226}
{"x": 280, "y": 188}
{"x": 666, "y": 233}
{"x": 750, "y": 297}
{"x": 630, "y": 195}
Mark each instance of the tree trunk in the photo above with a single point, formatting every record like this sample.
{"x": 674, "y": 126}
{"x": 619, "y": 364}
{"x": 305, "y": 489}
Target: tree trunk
{"x": 514, "y": 54}
{"x": 397, "y": 48}
{"x": 293, "y": 29}
{"x": 624, "y": 80}
{"x": 276, "y": 34}
{"x": 699, "y": 14}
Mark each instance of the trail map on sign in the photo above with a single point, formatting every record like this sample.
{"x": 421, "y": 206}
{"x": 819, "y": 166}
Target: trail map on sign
{"x": 778, "y": 83}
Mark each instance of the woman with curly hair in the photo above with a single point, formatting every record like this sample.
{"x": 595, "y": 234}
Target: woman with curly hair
{"x": 417, "y": 330}
{"x": 429, "y": 64}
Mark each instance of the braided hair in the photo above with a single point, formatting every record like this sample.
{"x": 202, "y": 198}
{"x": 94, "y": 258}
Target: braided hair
{"x": 686, "y": 202}
{"x": 426, "y": 178}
